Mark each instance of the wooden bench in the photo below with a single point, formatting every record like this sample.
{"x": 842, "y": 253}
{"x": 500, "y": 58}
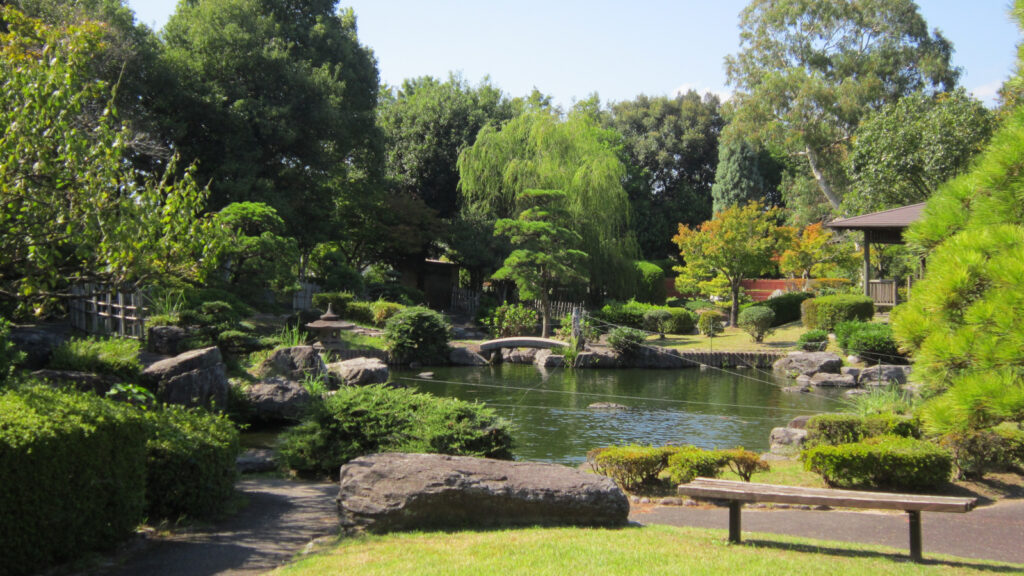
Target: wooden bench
{"x": 739, "y": 492}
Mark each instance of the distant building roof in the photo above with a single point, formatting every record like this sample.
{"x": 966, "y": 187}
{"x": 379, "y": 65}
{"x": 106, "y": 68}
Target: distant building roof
{"x": 896, "y": 218}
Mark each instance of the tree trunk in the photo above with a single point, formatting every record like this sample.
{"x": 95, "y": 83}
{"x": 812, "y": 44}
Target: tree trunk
{"x": 545, "y": 314}
{"x": 819, "y": 177}
{"x": 734, "y": 309}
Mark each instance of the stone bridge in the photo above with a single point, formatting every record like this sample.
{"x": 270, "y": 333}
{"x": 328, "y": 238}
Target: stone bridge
{"x": 521, "y": 342}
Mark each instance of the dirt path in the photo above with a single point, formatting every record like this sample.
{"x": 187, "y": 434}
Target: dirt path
{"x": 281, "y": 517}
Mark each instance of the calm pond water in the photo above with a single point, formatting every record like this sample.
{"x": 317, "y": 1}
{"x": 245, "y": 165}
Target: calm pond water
{"x": 552, "y": 422}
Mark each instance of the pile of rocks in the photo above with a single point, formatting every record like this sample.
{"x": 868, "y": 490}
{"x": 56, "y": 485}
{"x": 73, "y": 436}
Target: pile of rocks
{"x": 825, "y": 369}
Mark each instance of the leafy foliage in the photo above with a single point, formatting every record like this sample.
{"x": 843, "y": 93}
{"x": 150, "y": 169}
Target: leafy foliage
{"x": 10, "y": 356}
{"x": 836, "y": 429}
{"x": 825, "y": 312}
{"x": 757, "y": 321}
{"x": 633, "y": 466}
{"x": 512, "y": 320}
{"x": 739, "y": 179}
{"x": 651, "y": 284}
{"x": 786, "y": 306}
{"x": 813, "y": 340}
{"x": 745, "y": 463}
{"x": 114, "y": 356}
{"x": 255, "y": 256}
{"x": 882, "y": 462}
{"x": 690, "y": 462}
{"x": 417, "y": 334}
{"x": 977, "y": 452}
{"x": 367, "y": 419}
{"x": 710, "y": 323}
{"x": 810, "y": 251}
{"x": 626, "y": 341}
{"x": 976, "y": 400}
{"x": 871, "y": 342}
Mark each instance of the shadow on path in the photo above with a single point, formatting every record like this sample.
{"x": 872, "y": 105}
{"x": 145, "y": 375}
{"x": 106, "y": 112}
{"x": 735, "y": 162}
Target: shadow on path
{"x": 281, "y": 517}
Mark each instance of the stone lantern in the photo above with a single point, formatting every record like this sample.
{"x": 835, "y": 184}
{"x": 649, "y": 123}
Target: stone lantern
{"x": 328, "y": 330}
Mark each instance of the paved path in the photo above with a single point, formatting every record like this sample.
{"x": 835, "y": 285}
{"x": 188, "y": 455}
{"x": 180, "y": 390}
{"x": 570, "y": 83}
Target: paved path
{"x": 990, "y": 533}
{"x": 281, "y": 517}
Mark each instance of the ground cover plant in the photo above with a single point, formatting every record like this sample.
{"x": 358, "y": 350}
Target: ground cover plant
{"x": 113, "y": 356}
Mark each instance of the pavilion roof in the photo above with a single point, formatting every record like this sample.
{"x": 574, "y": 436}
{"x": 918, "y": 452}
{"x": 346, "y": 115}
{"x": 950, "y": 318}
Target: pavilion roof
{"x": 896, "y": 218}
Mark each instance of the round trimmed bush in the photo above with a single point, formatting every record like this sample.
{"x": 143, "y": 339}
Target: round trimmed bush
{"x": 756, "y": 321}
{"x": 417, "y": 334}
{"x": 626, "y": 341}
{"x": 657, "y": 321}
{"x": 710, "y": 323}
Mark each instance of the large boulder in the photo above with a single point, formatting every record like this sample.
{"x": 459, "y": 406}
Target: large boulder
{"x": 360, "y": 371}
{"x": 828, "y": 380}
{"x": 294, "y": 363}
{"x": 548, "y": 359}
{"x": 389, "y": 492}
{"x": 883, "y": 375}
{"x": 460, "y": 356}
{"x": 165, "y": 340}
{"x": 597, "y": 359}
{"x": 518, "y": 355}
{"x": 277, "y": 400}
{"x": 38, "y": 343}
{"x": 195, "y": 378}
{"x": 786, "y": 441}
{"x": 808, "y": 364}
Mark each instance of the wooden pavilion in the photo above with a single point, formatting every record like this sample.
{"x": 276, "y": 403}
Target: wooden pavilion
{"x": 884, "y": 227}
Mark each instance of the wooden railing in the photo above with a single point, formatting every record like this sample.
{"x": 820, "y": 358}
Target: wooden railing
{"x": 95, "y": 309}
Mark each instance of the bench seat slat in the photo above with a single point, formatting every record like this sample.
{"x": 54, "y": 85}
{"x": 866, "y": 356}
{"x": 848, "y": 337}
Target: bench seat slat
{"x": 752, "y": 492}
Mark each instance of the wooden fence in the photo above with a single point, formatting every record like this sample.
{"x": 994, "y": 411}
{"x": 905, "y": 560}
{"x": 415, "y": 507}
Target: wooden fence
{"x": 303, "y": 299}
{"x": 95, "y": 309}
{"x": 464, "y": 301}
{"x": 883, "y": 292}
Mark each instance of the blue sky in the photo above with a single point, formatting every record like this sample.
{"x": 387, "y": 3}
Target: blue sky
{"x": 570, "y": 49}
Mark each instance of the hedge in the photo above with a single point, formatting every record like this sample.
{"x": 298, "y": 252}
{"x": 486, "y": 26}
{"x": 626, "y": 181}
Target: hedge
{"x": 883, "y": 462}
{"x": 786, "y": 306}
{"x": 872, "y": 342}
{"x": 690, "y": 462}
{"x": 72, "y": 476}
{"x": 363, "y": 420}
{"x": 190, "y": 467}
{"x": 835, "y": 429}
{"x": 825, "y": 312}
{"x": 651, "y": 283}
{"x": 632, "y": 466}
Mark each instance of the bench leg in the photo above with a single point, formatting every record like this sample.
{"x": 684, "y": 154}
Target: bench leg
{"x": 915, "y": 535}
{"x": 734, "y": 520}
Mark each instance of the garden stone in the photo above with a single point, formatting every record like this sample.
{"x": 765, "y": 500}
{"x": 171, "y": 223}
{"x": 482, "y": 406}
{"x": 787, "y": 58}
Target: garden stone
{"x": 799, "y": 422}
{"x": 826, "y": 380}
{"x": 195, "y": 378}
{"x": 803, "y": 380}
{"x": 360, "y": 371}
{"x": 548, "y": 359}
{"x": 607, "y": 406}
{"x": 654, "y": 358}
{"x": 165, "y": 340}
{"x": 461, "y": 356}
{"x": 797, "y": 389}
{"x": 293, "y": 363}
{"x": 390, "y": 492}
{"x": 786, "y": 441}
{"x": 85, "y": 381}
{"x": 519, "y": 355}
{"x": 277, "y": 400}
{"x": 37, "y": 342}
{"x": 850, "y": 371}
{"x": 884, "y": 374}
{"x": 598, "y": 359}
{"x": 807, "y": 363}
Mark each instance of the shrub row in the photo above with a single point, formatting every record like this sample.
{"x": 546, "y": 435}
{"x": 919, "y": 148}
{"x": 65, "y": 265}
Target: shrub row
{"x": 632, "y": 314}
{"x": 633, "y": 466}
{"x": 871, "y": 342}
{"x": 836, "y": 429}
{"x": 786, "y": 306}
{"x": 362, "y": 420}
{"x": 344, "y": 304}
{"x": 882, "y": 462}
{"x": 825, "y": 312}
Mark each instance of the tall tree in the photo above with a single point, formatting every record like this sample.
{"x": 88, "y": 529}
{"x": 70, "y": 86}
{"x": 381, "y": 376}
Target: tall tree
{"x": 808, "y": 71}
{"x": 906, "y": 150}
{"x": 545, "y": 253}
{"x": 738, "y": 243}
{"x": 671, "y": 148}
{"x": 538, "y": 150}
{"x": 71, "y": 207}
{"x": 738, "y": 178}
{"x": 427, "y": 124}
{"x": 277, "y": 105}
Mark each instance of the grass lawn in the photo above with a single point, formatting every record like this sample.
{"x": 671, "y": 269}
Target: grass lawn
{"x": 641, "y": 551}
{"x": 733, "y": 339}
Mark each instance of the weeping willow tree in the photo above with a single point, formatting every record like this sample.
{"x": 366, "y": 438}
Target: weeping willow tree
{"x": 537, "y": 150}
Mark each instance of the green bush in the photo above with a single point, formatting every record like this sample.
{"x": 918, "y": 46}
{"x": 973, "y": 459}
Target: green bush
{"x": 871, "y": 342}
{"x": 710, "y": 323}
{"x": 10, "y": 356}
{"x": 384, "y": 310}
{"x": 690, "y": 462}
{"x": 359, "y": 312}
{"x": 626, "y": 341}
{"x": 394, "y": 291}
{"x": 651, "y": 283}
{"x": 512, "y": 320}
{"x": 813, "y": 340}
{"x": 417, "y": 334}
{"x": 237, "y": 342}
{"x": 72, "y": 476}
{"x": 825, "y": 312}
{"x": 367, "y": 419}
{"x": 975, "y": 401}
{"x": 115, "y": 356}
{"x": 682, "y": 322}
{"x": 756, "y": 321}
{"x": 786, "y": 306}
{"x": 977, "y": 452}
{"x": 337, "y": 301}
{"x": 835, "y": 429}
{"x": 657, "y": 321}
{"x": 190, "y": 463}
{"x": 745, "y": 463}
{"x": 697, "y": 306}
{"x": 631, "y": 467}
{"x": 1013, "y": 434}
{"x": 883, "y": 462}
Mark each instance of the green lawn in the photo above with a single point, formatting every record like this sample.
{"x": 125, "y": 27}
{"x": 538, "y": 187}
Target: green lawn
{"x": 640, "y": 551}
{"x": 733, "y": 339}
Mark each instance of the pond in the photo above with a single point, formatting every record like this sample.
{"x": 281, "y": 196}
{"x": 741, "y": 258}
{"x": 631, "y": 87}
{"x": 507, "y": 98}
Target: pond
{"x": 548, "y": 409}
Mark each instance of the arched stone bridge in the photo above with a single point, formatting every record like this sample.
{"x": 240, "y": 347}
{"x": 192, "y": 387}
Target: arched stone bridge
{"x": 521, "y": 342}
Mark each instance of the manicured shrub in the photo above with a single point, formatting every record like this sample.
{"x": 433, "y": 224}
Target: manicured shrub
{"x": 813, "y": 340}
{"x": 825, "y": 312}
{"x": 236, "y": 342}
{"x": 190, "y": 463}
{"x": 1013, "y": 434}
{"x": 698, "y": 305}
{"x": 219, "y": 312}
{"x": 72, "y": 476}
{"x": 756, "y": 321}
{"x": 977, "y": 452}
{"x": 114, "y": 356}
{"x": 337, "y": 301}
{"x": 359, "y": 312}
{"x": 745, "y": 463}
{"x": 195, "y": 297}
{"x": 631, "y": 467}
{"x": 835, "y": 429}
{"x": 882, "y": 462}
{"x": 651, "y": 283}
{"x": 690, "y": 462}
{"x": 366, "y": 419}
{"x": 710, "y": 323}
{"x": 786, "y": 306}
{"x": 384, "y": 310}
{"x": 417, "y": 334}
{"x": 657, "y": 321}
{"x": 872, "y": 343}
{"x": 682, "y": 322}
{"x": 630, "y": 314}
{"x": 626, "y": 341}
{"x": 512, "y": 320}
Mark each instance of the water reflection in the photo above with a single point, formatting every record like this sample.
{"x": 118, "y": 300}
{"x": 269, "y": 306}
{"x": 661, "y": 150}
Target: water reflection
{"x": 552, "y": 422}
